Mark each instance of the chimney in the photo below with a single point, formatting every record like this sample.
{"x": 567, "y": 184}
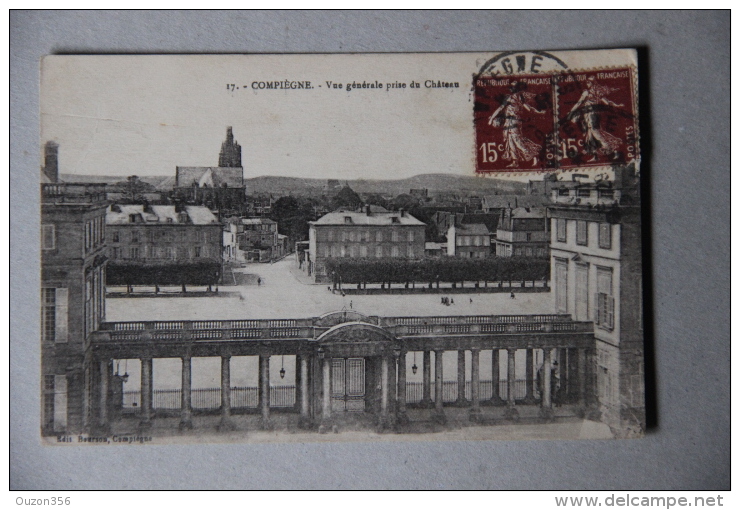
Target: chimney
{"x": 51, "y": 161}
{"x": 367, "y": 210}
{"x": 403, "y": 212}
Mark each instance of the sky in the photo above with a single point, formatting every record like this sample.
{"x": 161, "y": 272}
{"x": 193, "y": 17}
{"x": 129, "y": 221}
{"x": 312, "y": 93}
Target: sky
{"x": 145, "y": 115}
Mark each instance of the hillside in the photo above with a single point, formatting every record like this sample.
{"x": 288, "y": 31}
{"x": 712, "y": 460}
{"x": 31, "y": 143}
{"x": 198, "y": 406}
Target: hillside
{"x": 295, "y": 185}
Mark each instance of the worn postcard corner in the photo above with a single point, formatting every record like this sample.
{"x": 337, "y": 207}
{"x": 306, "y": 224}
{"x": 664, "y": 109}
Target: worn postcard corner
{"x": 340, "y": 247}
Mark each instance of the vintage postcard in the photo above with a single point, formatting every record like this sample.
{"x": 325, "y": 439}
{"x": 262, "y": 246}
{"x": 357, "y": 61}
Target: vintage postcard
{"x": 340, "y": 247}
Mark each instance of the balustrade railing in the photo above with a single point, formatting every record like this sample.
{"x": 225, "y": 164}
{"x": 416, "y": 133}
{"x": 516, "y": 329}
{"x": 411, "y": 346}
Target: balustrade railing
{"x": 305, "y": 328}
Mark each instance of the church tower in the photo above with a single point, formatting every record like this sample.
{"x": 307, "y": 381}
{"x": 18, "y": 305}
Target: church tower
{"x": 231, "y": 152}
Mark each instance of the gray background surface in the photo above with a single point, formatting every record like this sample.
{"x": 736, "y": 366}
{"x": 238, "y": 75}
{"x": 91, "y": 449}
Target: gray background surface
{"x": 686, "y": 75}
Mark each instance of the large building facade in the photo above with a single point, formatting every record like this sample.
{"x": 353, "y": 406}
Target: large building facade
{"x": 363, "y": 234}
{"x": 163, "y": 245}
{"x": 73, "y": 279}
{"x": 596, "y": 267}
{"x": 523, "y": 232}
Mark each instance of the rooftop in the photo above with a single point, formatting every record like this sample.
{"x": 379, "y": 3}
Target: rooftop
{"x": 209, "y": 176}
{"x": 363, "y": 218}
{"x": 473, "y": 229}
{"x": 123, "y": 214}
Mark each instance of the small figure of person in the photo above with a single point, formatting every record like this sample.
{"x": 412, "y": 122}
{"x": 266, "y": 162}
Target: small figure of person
{"x": 512, "y": 295}
{"x": 259, "y": 281}
{"x": 350, "y": 304}
{"x": 471, "y": 301}
{"x": 589, "y": 110}
{"x": 452, "y": 301}
{"x": 510, "y": 117}
{"x": 328, "y": 287}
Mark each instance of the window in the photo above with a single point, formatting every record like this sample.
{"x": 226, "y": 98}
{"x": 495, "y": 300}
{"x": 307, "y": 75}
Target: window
{"x": 582, "y": 232}
{"x": 363, "y": 251}
{"x": 348, "y": 220}
{"x": 116, "y": 236}
{"x": 367, "y": 236}
{"x": 48, "y": 237}
{"x": 379, "y": 236}
{"x": 528, "y": 236}
{"x": 327, "y": 251}
{"x": 604, "y": 300}
{"x": 605, "y": 236}
{"x": 48, "y": 314}
{"x": 606, "y": 193}
{"x": 395, "y": 219}
{"x": 561, "y": 228}
{"x": 133, "y": 253}
{"x": 168, "y": 254}
{"x": 114, "y": 253}
{"x": 54, "y": 315}
{"x": 394, "y": 251}
{"x": 352, "y": 235}
{"x": 49, "y": 401}
{"x": 353, "y": 251}
{"x": 331, "y": 235}
{"x": 197, "y": 251}
{"x": 411, "y": 236}
{"x": 411, "y": 252}
{"x": 378, "y": 251}
{"x": 134, "y": 236}
{"x": 561, "y": 286}
{"x": 394, "y": 236}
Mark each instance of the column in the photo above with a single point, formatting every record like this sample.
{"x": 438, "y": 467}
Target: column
{"x": 426, "y": 397}
{"x": 305, "y": 419}
{"x": 439, "y": 414}
{"x": 297, "y": 385}
{"x": 495, "y": 377}
{"x": 461, "y": 400}
{"x": 511, "y": 411}
{"x": 186, "y": 411}
{"x": 145, "y": 419}
{"x": 546, "y": 406}
{"x": 226, "y": 423}
{"x": 326, "y": 401}
{"x": 264, "y": 377}
{"x": 582, "y": 376}
{"x": 529, "y": 397}
{"x": 475, "y": 385}
{"x": 384, "y": 383}
{"x": 103, "y": 403}
{"x": 401, "y": 390}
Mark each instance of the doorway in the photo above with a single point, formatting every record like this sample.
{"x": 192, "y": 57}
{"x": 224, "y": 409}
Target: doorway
{"x": 348, "y": 385}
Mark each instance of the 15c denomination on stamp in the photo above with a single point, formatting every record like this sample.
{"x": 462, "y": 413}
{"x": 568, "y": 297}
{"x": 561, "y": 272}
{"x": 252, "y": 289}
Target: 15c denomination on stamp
{"x": 555, "y": 120}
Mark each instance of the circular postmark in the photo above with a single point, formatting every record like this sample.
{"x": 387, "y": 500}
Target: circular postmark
{"x": 511, "y": 63}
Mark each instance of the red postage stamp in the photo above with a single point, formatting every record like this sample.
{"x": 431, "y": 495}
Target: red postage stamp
{"x": 555, "y": 121}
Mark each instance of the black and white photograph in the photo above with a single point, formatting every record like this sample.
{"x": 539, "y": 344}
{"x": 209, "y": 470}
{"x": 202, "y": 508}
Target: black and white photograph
{"x": 354, "y": 247}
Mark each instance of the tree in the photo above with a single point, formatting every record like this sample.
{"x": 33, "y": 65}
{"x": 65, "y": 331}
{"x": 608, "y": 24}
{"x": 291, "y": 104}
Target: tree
{"x": 346, "y": 198}
{"x": 134, "y": 188}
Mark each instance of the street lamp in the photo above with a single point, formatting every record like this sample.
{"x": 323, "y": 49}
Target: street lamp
{"x": 414, "y": 368}
{"x": 282, "y": 367}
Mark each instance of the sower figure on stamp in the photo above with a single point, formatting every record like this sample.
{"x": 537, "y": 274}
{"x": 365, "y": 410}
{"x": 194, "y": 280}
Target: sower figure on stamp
{"x": 598, "y": 142}
{"x": 509, "y": 116}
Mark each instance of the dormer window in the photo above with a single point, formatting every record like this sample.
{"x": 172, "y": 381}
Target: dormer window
{"x": 348, "y": 220}
{"x": 395, "y": 219}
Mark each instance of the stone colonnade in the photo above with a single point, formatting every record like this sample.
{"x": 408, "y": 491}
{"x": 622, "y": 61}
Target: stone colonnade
{"x": 393, "y": 404}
